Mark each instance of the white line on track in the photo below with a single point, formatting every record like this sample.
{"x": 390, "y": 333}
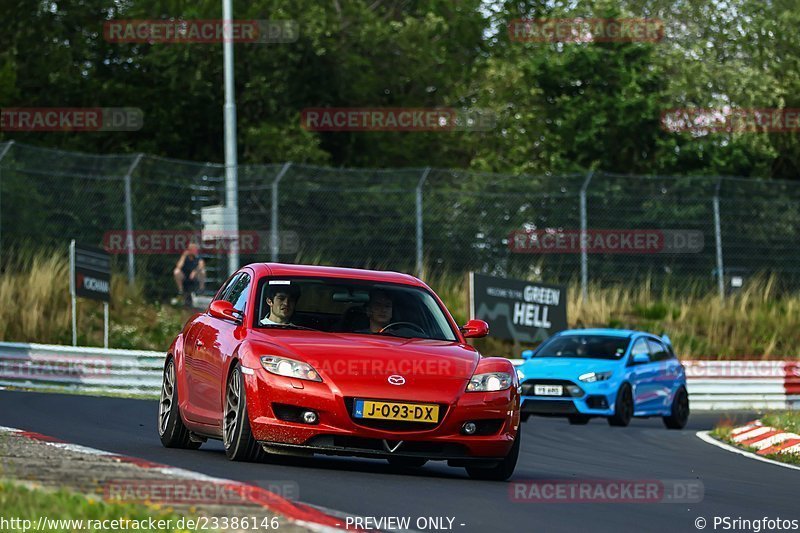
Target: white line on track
{"x": 706, "y": 437}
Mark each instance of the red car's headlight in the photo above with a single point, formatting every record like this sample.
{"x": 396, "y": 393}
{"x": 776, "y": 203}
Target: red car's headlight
{"x": 283, "y": 366}
{"x": 490, "y": 382}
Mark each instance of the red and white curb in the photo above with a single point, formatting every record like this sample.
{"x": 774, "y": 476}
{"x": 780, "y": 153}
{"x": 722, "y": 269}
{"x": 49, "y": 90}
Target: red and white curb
{"x": 298, "y": 513}
{"x": 765, "y": 439}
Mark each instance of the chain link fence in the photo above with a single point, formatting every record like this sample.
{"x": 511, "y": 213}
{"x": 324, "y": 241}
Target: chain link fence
{"x": 596, "y": 228}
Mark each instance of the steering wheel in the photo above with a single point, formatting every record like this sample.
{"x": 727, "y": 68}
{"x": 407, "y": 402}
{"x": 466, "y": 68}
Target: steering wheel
{"x": 409, "y": 324}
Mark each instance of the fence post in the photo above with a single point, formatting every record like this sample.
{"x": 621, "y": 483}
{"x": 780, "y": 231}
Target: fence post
{"x": 420, "y": 184}
{"x": 274, "y": 241}
{"x": 2, "y": 155}
{"x": 129, "y": 219}
{"x": 584, "y": 254}
{"x": 718, "y": 239}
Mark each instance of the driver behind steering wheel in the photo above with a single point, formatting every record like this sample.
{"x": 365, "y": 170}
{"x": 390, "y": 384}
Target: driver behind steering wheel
{"x": 379, "y": 311}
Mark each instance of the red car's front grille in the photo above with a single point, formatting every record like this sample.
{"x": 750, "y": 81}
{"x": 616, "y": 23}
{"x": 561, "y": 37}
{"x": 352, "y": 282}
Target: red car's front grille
{"x": 395, "y": 425}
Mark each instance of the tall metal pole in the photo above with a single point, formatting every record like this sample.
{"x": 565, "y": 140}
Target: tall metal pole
{"x": 231, "y": 163}
{"x": 718, "y": 239}
{"x": 2, "y": 155}
{"x": 419, "y": 220}
{"x": 274, "y": 240}
{"x": 72, "y": 293}
{"x": 105, "y": 325}
{"x": 584, "y": 253}
{"x": 129, "y": 220}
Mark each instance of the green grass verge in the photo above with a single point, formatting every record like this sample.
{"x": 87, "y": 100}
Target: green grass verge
{"x": 25, "y": 503}
{"x": 786, "y": 420}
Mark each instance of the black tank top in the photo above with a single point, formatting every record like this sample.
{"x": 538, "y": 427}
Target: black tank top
{"x": 190, "y": 262}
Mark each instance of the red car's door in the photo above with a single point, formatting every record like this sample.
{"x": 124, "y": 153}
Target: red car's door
{"x": 190, "y": 342}
{"x": 218, "y": 341}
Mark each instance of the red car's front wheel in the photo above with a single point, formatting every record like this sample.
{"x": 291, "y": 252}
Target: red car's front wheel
{"x": 171, "y": 430}
{"x": 504, "y": 469}
{"x": 237, "y": 436}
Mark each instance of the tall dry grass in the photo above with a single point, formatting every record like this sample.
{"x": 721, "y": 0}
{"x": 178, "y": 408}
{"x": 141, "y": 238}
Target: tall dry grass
{"x": 758, "y": 322}
{"x": 34, "y": 296}
{"x": 35, "y": 307}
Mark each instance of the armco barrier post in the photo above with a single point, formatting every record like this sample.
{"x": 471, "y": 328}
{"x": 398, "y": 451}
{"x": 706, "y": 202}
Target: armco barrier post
{"x": 420, "y": 184}
{"x": 274, "y": 243}
{"x": 129, "y": 219}
{"x": 584, "y": 227}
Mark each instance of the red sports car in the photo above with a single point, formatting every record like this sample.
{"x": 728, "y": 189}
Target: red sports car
{"x": 304, "y": 359}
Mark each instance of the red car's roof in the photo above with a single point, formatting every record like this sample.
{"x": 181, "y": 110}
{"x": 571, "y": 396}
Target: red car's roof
{"x": 284, "y": 269}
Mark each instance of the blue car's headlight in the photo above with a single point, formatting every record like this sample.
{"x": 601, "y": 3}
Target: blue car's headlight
{"x": 520, "y": 375}
{"x": 591, "y": 377}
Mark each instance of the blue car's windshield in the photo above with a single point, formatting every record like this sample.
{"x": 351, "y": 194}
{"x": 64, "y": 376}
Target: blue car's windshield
{"x": 584, "y": 346}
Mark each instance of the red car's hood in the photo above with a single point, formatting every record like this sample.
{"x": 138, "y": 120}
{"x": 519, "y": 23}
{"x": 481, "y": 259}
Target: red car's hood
{"x": 360, "y": 365}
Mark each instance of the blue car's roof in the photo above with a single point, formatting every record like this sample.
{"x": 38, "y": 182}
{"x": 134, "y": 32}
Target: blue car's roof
{"x": 602, "y": 331}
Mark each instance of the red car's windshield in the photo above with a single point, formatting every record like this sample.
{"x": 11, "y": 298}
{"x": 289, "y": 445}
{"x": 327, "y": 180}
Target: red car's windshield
{"x": 350, "y": 306}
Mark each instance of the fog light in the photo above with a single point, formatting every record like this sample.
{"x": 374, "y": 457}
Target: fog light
{"x": 469, "y": 428}
{"x": 574, "y": 390}
{"x": 310, "y": 417}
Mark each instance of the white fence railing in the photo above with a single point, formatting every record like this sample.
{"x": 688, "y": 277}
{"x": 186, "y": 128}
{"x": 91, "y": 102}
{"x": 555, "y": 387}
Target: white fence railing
{"x": 711, "y": 384}
{"x": 70, "y": 368}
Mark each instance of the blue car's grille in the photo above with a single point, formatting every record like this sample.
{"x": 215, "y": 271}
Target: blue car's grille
{"x": 567, "y": 386}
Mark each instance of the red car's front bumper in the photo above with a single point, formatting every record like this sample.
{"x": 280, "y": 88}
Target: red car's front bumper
{"x": 336, "y": 431}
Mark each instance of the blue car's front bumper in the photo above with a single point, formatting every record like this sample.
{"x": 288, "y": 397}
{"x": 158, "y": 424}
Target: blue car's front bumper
{"x": 594, "y": 399}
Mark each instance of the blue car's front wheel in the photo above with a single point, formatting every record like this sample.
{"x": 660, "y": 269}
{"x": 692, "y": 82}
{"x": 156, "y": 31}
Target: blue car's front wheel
{"x": 623, "y": 407}
{"x": 679, "y": 413}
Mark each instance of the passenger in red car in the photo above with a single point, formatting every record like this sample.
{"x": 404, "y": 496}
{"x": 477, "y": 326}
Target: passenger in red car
{"x": 379, "y": 311}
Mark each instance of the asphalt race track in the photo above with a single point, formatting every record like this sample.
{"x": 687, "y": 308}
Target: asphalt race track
{"x": 734, "y": 486}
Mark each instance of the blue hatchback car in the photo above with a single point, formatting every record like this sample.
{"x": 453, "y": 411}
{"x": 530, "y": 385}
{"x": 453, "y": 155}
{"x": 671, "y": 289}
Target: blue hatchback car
{"x": 610, "y": 373}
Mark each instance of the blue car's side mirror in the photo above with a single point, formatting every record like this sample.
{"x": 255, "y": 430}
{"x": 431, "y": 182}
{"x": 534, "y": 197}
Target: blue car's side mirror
{"x": 527, "y": 354}
{"x": 640, "y": 359}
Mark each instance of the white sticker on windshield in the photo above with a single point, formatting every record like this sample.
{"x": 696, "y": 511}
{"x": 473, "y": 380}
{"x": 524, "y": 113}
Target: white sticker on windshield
{"x": 280, "y": 282}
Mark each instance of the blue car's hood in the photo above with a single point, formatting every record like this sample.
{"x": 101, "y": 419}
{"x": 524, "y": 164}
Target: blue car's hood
{"x": 565, "y": 367}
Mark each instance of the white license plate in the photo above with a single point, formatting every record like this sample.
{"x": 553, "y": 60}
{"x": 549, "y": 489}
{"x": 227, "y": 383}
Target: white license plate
{"x": 548, "y": 390}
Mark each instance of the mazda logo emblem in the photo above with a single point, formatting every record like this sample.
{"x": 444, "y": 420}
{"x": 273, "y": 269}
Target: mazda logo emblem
{"x": 397, "y": 380}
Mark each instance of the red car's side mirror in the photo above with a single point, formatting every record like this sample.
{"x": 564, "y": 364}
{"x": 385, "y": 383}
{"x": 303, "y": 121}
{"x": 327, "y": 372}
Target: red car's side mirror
{"x": 475, "y": 329}
{"x": 224, "y": 309}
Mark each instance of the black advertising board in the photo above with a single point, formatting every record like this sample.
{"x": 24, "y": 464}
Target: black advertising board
{"x": 522, "y": 311}
{"x": 91, "y": 272}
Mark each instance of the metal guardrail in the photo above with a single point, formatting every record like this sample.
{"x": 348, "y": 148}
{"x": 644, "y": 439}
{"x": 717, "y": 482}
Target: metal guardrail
{"x": 80, "y": 369}
{"x": 711, "y": 384}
